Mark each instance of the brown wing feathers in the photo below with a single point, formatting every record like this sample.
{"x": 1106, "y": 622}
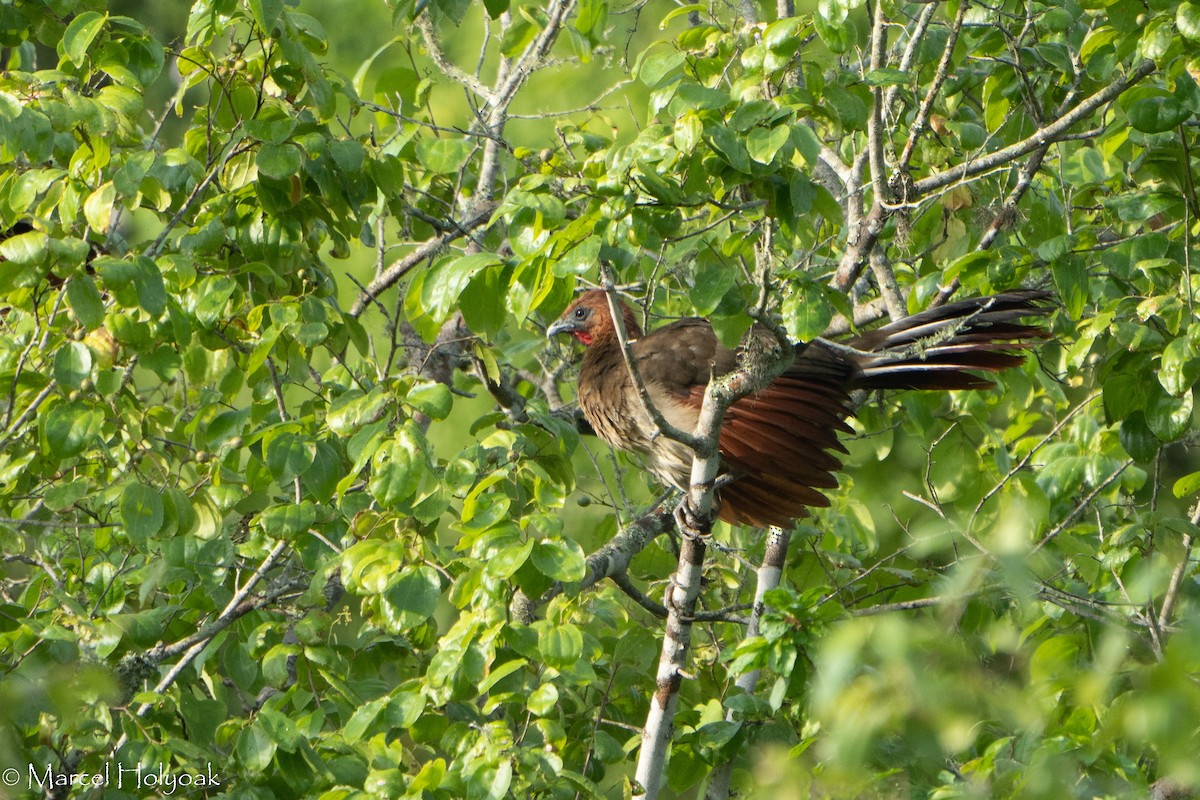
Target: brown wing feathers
{"x": 776, "y": 443}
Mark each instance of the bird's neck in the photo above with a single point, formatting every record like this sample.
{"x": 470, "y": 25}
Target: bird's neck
{"x": 603, "y": 351}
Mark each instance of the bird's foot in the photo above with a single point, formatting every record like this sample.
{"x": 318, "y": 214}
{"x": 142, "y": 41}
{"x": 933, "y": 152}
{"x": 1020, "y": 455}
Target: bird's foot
{"x": 692, "y": 525}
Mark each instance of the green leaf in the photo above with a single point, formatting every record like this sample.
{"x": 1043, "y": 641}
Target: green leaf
{"x": 581, "y": 258}
{"x": 560, "y": 560}
{"x": 84, "y": 299}
{"x": 141, "y": 511}
{"x": 25, "y": 248}
{"x": 729, "y": 145}
{"x": 806, "y": 312}
{"x": 1169, "y": 417}
{"x": 661, "y": 189}
{"x": 1187, "y": 20}
{"x": 288, "y": 520}
{"x": 80, "y": 34}
{"x": 152, "y": 293}
{"x": 279, "y": 161}
{"x": 225, "y": 426}
{"x": 69, "y": 428}
{"x": 887, "y": 76}
{"x": 282, "y": 730}
{"x": 352, "y": 410}
{"x": 445, "y": 282}
{"x": 1158, "y": 114}
{"x": 1062, "y": 475}
{"x": 807, "y": 144}
{"x": 688, "y": 131}
{"x": 837, "y": 36}
{"x": 72, "y": 364}
{"x": 1180, "y": 367}
{"x": 397, "y": 473}
{"x": 1156, "y": 38}
{"x": 505, "y": 563}
{"x": 321, "y": 479}
{"x": 482, "y": 302}
{"x": 662, "y": 63}
{"x": 1188, "y": 484}
{"x": 560, "y": 645}
{"x": 362, "y": 718}
{"x": 712, "y": 279}
{"x": 1124, "y": 393}
{"x": 1071, "y": 280}
{"x": 701, "y": 98}
{"x": 266, "y": 13}
{"x": 255, "y": 749}
{"x": 763, "y": 143}
{"x": 98, "y": 207}
{"x": 289, "y": 455}
{"x": 412, "y": 597}
{"x": 443, "y": 156}
{"x": 431, "y": 398}
{"x": 495, "y": 7}
{"x": 543, "y": 700}
{"x": 1137, "y": 438}
{"x": 65, "y": 495}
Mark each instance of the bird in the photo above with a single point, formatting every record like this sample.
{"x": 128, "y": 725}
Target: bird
{"x": 778, "y": 445}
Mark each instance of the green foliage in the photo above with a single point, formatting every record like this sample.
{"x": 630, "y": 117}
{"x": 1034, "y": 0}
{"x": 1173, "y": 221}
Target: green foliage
{"x": 287, "y": 492}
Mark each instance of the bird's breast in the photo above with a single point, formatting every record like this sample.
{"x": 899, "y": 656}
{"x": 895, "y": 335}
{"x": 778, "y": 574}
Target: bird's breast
{"x": 614, "y": 408}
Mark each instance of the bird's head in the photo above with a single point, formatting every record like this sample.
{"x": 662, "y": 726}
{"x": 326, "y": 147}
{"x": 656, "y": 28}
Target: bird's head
{"x": 589, "y": 319}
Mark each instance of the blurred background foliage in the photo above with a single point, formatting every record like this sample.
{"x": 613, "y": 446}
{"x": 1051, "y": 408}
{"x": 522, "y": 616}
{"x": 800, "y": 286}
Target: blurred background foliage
{"x": 281, "y": 438}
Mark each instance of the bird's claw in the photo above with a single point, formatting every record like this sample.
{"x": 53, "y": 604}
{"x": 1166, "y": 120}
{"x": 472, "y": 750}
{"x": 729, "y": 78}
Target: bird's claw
{"x": 691, "y": 524}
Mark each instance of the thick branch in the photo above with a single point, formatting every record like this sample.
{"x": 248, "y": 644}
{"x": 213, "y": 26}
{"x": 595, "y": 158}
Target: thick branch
{"x": 756, "y": 371}
{"x": 875, "y": 124}
{"x": 614, "y": 557}
{"x": 681, "y": 605}
{"x": 770, "y": 573}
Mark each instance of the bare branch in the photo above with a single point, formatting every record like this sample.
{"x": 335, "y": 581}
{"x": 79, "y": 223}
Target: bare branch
{"x": 875, "y": 124}
{"x": 664, "y": 427}
{"x": 398, "y": 269}
{"x": 192, "y": 646}
{"x": 680, "y": 600}
{"x": 1083, "y": 504}
{"x": 1050, "y": 133}
{"x": 769, "y": 575}
{"x": 448, "y": 68}
{"x": 939, "y": 79}
{"x": 1177, "y": 575}
{"x": 910, "y": 53}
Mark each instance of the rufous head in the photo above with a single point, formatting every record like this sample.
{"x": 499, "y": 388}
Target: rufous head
{"x": 589, "y": 319}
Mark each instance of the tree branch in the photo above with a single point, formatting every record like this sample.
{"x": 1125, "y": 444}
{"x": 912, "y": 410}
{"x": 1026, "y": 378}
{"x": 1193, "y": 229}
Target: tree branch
{"x": 875, "y": 124}
{"x": 398, "y": 269}
{"x": 1045, "y": 135}
{"x": 769, "y": 575}
{"x": 939, "y": 79}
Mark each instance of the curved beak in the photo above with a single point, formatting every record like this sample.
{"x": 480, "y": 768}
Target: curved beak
{"x": 562, "y": 326}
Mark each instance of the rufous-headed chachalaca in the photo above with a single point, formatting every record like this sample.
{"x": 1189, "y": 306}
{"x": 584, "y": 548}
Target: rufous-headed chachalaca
{"x": 775, "y": 444}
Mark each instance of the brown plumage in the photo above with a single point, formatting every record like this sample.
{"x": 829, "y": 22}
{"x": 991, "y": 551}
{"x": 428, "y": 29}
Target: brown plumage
{"x": 775, "y": 445}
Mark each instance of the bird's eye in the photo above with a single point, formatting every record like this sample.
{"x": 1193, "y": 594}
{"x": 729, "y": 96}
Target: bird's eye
{"x": 581, "y": 313}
